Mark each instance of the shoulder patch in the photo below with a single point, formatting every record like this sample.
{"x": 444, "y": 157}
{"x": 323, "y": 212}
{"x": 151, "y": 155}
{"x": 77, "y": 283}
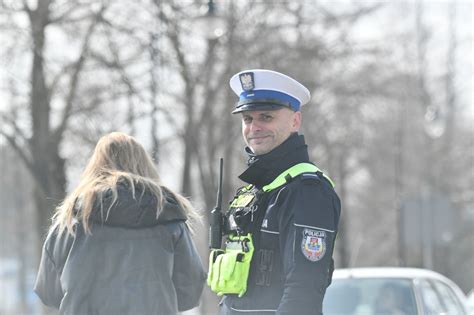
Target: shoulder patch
{"x": 313, "y": 244}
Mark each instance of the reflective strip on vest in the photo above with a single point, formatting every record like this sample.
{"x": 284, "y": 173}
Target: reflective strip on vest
{"x": 294, "y": 171}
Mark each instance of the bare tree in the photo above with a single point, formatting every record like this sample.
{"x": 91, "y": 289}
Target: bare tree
{"x": 144, "y": 62}
{"x": 40, "y": 152}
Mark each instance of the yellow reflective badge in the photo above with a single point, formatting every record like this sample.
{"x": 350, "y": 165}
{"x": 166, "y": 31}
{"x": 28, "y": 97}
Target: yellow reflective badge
{"x": 242, "y": 201}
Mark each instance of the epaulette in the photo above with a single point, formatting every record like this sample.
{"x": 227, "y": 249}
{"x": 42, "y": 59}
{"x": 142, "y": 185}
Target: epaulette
{"x": 318, "y": 176}
{"x": 293, "y": 172}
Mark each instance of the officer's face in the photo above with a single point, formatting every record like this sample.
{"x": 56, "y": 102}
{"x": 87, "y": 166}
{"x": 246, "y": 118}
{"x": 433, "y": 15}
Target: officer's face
{"x": 265, "y": 130}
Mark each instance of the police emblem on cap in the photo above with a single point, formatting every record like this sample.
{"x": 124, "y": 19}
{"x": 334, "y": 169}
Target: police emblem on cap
{"x": 246, "y": 80}
{"x": 313, "y": 245}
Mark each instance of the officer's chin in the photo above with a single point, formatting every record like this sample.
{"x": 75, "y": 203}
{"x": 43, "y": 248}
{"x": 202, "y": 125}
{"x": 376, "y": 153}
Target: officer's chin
{"x": 260, "y": 149}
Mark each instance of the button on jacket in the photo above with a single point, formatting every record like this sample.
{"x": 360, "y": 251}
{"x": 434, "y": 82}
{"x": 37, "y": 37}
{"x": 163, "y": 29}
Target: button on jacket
{"x": 133, "y": 263}
{"x": 294, "y": 231}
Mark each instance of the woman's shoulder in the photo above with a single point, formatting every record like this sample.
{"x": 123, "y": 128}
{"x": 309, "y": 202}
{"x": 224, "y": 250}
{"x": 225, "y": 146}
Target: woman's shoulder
{"x": 171, "y": 211}
{"x": 58, "y": 243}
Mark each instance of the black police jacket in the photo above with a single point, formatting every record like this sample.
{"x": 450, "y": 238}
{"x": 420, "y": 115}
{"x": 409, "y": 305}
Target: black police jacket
{"x": 133, "y": 263}
{"x": 294, "y": 228}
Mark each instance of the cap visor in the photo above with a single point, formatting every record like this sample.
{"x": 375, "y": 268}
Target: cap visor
{"x": 257, "y": 106}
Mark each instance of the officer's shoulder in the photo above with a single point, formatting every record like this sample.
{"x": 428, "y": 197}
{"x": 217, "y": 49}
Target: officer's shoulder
{"x": 302, "y": 180}
{"x": 311, "y": 179}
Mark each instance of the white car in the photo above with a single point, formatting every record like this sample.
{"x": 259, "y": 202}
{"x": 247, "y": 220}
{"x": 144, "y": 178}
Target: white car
{"x": 392, "y": 291}
{"x": 470, "y": 301}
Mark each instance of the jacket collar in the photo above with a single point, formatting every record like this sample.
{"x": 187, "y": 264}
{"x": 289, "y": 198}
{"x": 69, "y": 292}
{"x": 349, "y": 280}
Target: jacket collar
{"x": 263, "y": 169}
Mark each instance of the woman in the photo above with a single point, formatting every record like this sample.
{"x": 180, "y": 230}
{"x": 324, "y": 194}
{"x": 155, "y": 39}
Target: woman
{"x": 120, "y": 242}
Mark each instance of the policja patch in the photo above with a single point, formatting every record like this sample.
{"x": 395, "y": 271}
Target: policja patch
{"x": 313, "y": 245}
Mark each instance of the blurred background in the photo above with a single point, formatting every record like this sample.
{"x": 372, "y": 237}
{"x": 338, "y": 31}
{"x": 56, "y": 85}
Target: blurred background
{"x": 390, "y": 121}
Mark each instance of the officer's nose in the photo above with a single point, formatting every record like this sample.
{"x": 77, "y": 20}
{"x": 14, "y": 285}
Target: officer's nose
{"x": 255, "y": 126}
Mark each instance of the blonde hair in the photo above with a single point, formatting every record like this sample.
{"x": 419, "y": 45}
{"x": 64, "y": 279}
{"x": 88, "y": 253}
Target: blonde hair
{"x": 117, "y": 157}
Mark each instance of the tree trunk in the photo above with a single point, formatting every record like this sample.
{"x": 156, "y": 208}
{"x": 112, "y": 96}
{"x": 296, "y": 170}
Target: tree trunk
{"x": 186, "y": 187}
{"x": 343, "y": 228}
{"x": 21, "y": 237}
{"x": 48, "y": 166}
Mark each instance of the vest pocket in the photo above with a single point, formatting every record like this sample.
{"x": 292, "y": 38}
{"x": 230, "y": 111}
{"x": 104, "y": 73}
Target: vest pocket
{"x": 229, "y": 268}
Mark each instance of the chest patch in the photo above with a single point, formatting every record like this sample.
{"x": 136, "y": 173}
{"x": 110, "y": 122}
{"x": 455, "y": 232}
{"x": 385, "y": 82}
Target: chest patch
{"x": 313, "y": 245}
{"x": 242, "y": 200}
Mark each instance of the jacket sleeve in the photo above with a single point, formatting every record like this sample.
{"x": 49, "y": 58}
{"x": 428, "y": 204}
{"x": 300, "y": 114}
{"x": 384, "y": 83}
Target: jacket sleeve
{"x": 188, "y": 272}
{"x": 308, "y": 230}
{"x": 47, "y": 285}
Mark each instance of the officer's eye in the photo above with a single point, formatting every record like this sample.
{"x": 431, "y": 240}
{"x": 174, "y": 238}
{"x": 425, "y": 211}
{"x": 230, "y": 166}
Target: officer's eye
{"x": 266, "y": 118}
{"x": 247, "y": 119}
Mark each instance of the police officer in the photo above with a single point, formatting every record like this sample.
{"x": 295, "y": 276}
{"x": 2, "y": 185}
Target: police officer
{"x": 289, "y": 208}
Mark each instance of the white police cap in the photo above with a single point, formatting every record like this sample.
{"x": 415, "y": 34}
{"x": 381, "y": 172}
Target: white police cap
{"x": 260, "y": 89}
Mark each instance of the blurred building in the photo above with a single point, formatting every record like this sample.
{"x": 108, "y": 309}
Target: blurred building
{"x": 435, "y": 236}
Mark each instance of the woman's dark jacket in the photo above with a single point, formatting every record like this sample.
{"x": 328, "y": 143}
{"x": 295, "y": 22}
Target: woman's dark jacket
{"x": 133, "y": 263}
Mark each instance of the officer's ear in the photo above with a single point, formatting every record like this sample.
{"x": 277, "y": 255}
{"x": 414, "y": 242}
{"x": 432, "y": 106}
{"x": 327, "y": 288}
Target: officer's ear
{"x": 296, "y": 121}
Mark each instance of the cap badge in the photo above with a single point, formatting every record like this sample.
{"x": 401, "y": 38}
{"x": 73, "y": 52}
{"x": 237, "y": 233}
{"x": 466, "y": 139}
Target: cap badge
{"x": 246, "y": 80}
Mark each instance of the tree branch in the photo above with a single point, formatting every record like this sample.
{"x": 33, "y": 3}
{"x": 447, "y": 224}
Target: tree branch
{"x": 75, "y": 78}
{"x": 18, "y": 149}
{"x": 21, "y": 153}
{"x": 26, "y": 8}
{"x": 64, "y": 17}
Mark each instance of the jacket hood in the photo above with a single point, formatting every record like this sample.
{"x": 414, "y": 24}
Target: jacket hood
{"x": 135, "y": 210}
